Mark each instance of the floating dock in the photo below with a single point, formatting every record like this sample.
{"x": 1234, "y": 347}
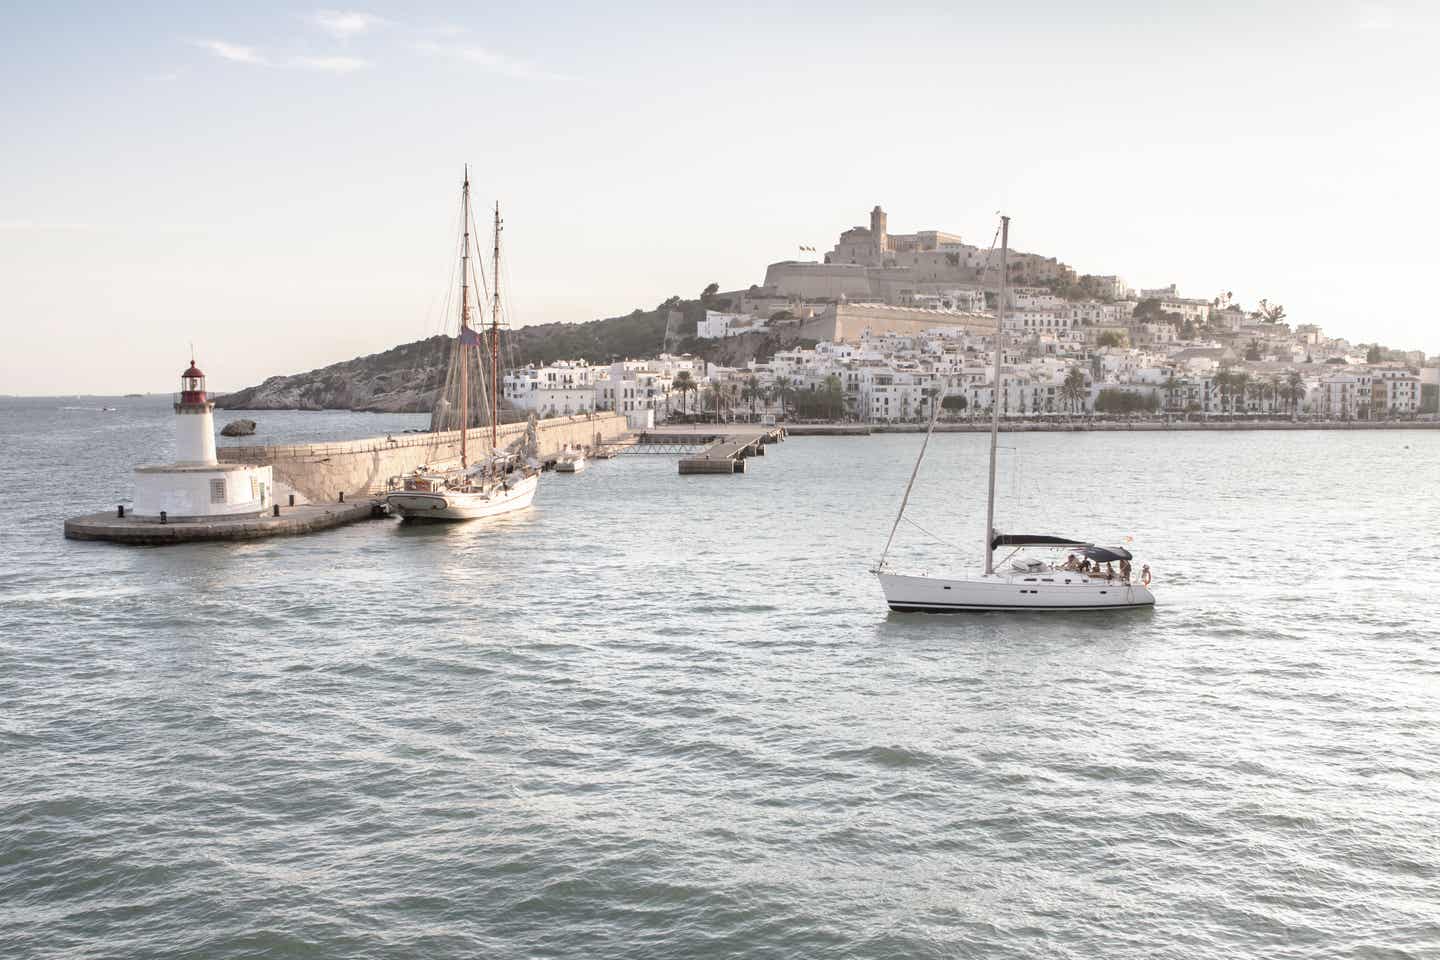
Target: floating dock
{"x": 291, "y": 521}
{"x": 726, "y": 453}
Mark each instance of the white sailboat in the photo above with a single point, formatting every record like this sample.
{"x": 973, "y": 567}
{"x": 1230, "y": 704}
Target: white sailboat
{"x": 1029, "y": 584}
{"x": 502, "y": 482}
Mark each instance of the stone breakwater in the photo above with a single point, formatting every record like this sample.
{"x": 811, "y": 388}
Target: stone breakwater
{"x": 323, "y": 471}
{"x": 290, "y": 521}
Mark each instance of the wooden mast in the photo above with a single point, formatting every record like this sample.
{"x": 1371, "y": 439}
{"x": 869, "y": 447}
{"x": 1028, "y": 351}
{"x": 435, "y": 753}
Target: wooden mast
{"x": 495, "y": 341}
{"x": 995, "y": 400}
{"x": 464, "y": 324}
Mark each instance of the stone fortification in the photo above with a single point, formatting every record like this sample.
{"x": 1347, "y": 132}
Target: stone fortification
{"x": 819, "y": 281}
{"x": 847, "y": 321}
{"x": 322, "y": 471}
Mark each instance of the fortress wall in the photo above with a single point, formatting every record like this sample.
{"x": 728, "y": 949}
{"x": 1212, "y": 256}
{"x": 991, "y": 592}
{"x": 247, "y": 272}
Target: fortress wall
{"x": 847, "y": 321}
{"x": 818, "y": 281}
{"x": 321, "y": 471}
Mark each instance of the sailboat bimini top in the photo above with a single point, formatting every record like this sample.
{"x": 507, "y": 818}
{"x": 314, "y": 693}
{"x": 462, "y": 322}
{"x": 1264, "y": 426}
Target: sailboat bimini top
{"x": 1088, "y": 550}
{"x": 1033, "y": 540}
{"x": 1107, "y": 554}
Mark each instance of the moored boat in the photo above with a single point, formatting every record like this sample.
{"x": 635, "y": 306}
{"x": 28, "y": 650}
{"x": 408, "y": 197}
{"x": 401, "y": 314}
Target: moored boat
{"x": 439, "y": 496}
{"x": 570, "y": 461}
{"x": 503, "y": 481}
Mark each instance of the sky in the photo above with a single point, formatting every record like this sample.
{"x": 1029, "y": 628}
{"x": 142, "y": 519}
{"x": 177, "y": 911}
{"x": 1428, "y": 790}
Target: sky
{"x": 277, "y": 183}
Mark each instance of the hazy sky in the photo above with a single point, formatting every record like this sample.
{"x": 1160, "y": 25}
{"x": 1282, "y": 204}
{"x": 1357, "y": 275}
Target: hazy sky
{"x": 278, "y": 183}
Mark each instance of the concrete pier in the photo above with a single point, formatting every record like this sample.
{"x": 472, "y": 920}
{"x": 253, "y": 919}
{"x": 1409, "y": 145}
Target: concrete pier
{"x": 728, "y": 451}
{"x": 305, "y": 518}
{"x": 359, "y": 468}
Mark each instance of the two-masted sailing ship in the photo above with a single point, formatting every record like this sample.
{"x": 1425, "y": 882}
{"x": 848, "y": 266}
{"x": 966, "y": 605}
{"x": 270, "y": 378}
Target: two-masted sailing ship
{"x": 497, "y": 481}
{"x": 1086, "y": 580}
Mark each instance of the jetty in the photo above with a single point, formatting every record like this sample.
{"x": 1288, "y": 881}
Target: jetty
{"x": 710, "y": 448}
{"x": 281, "y": 521}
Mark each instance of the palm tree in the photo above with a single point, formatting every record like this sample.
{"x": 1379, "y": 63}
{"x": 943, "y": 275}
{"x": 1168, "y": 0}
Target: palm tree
{"x": 1297, "y": 391}
{"x": 1172, "y": 383}
{"x": 753, "y": 391}
{"x": 1229, "y": 382}
{"x": 784, "y": 390}
{"x": 834, "y": 395}
{"x": 686, "y": 385}
{"x": 1074, "y": 387}
{"x": 1242, "y": 386}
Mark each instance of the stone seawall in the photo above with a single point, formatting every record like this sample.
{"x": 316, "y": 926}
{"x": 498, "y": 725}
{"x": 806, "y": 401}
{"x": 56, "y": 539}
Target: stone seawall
{"x": 322, "y": 471}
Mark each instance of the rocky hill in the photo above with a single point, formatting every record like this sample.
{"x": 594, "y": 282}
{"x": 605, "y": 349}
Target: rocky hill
{"x": 408, "y": 378}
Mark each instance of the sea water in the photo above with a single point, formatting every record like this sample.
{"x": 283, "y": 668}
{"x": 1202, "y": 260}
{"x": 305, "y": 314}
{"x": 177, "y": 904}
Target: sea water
{"x": 664, "y": 716}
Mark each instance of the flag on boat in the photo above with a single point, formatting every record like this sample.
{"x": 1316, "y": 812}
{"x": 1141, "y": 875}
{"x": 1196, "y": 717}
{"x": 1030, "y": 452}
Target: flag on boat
{"x": 470, "y": 337}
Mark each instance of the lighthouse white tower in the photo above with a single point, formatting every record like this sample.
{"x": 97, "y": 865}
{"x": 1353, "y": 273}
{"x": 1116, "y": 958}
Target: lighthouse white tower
{"x": 197, "y": 486}
{"x": 194, "y": 420}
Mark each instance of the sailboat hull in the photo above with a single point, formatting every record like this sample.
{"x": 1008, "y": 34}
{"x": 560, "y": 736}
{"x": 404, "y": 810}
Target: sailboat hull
{"x": 1054, "y": 591}
{"x": 454, "y": 505}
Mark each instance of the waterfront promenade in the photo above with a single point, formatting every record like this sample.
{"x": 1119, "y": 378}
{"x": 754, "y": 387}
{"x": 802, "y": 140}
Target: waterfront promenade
{"x": 832, "y": 429}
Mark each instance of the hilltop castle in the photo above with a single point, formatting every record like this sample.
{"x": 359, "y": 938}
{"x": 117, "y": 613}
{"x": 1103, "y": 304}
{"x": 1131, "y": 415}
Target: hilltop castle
{"x": 870, "y": 263}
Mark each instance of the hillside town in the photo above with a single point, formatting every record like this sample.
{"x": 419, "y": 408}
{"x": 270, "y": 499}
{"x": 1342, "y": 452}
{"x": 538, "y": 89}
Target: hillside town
{"x": 888, "y": 324}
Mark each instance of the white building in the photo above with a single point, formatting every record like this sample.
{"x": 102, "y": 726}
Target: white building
{"x": 1035, "y": 298}
{"x": 643, "y": 390}
{"x": 718, "y": 325}
{"x": 556, "y": 390}
{"x": 1196, "y": 311}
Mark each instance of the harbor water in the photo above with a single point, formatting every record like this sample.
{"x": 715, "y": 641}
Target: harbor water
{"x": 670, "y": 717}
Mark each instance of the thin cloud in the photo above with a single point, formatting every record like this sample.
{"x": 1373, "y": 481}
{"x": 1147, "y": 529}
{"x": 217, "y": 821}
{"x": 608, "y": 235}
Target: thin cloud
{"x": 490, "y": 60}
{"x": 233, "y": 52}
{"x": 344, "y": 23}
{"x": 331, "y": 64}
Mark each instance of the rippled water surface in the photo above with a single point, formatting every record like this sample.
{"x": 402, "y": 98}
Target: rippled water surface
{"x": 670, "y": 717}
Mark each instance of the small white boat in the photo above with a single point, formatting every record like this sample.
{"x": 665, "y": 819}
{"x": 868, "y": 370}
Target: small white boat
{"x": 1029, "y": 584}
{"x": 570, "y": 461}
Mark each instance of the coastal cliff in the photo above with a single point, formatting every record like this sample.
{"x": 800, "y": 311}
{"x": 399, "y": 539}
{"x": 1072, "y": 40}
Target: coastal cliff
{"x": 404, "y": 379}
{"x": 408, "y": 378}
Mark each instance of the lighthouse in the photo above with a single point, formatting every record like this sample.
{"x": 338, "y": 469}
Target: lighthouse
{"x": 197, "y": 486}
{"x": 194, "y": 420}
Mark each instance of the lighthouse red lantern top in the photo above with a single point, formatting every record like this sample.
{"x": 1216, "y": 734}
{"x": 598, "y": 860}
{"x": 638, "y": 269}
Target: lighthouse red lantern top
{"x": 192, "y": 385}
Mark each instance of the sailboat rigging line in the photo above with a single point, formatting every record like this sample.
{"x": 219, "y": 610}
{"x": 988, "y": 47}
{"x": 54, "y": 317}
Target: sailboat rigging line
{"x": 933, "y": 536}
{"x": 934, "y": 417}
{"x": 482, "y": 384}
{"x": 431, "y": 326}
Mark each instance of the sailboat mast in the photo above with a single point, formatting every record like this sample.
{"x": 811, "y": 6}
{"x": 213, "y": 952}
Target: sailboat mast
{"x": 495, "y": 340}
{"x": 464, "y": 323}
{"x": 995, "y": 396}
